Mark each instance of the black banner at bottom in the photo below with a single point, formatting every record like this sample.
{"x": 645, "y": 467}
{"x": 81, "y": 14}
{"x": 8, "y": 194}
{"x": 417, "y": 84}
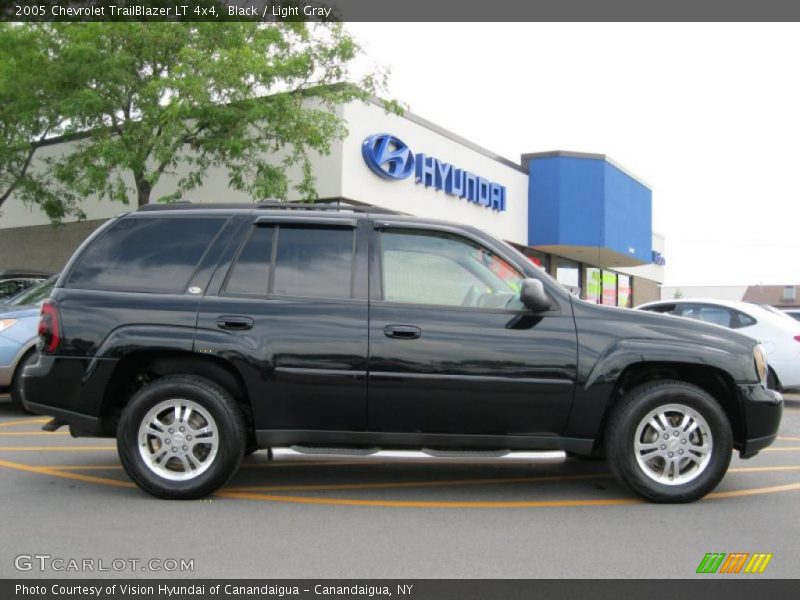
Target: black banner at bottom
{"x": 727, "y": 588}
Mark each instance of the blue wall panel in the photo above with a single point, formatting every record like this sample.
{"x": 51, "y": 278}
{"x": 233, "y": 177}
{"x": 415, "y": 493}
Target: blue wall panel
{"x": 628, "y": 215}
{"x": 588, "y": 202}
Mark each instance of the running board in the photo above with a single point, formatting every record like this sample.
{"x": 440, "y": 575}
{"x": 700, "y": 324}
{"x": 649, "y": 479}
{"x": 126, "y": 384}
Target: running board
{"x": 461, "y": 456}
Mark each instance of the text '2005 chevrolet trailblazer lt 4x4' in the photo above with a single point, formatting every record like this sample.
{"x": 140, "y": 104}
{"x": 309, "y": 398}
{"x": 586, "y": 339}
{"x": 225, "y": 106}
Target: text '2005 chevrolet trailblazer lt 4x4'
{"x": 197, "y": 334}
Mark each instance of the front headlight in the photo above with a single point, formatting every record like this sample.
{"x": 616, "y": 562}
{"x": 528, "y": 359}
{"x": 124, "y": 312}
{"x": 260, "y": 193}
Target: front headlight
{"x": 6, "y": 323}
{"x": 760, "y": 356}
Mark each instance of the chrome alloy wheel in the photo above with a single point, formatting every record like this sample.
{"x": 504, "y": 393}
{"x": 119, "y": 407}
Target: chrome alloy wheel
{"x": 673, "y": 444}
{"x": 178, "y": 439}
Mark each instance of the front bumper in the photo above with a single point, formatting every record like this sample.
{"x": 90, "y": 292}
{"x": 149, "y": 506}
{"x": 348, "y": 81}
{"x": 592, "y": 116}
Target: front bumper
{"x": 763, "y": 409}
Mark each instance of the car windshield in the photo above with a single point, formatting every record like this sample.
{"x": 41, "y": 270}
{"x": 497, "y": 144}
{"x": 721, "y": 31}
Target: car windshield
{"x": 35, "y": 295}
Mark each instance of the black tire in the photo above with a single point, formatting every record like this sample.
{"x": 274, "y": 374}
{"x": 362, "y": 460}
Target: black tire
{"x": 229, "y": 422}
{"x": 16, "y": 384}
{"x": 621, "y": 432}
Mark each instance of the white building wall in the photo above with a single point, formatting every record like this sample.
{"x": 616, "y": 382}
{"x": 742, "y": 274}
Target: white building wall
{"x": 710, "y": 292}
{"x": 326, "y": 168}
{"x": 360, "y": 183}
{"x": 653, "y": 272}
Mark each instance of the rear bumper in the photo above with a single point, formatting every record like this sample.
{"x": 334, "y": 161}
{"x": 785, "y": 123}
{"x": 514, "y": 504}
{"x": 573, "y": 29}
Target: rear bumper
{"x": 763, "y": 409}
{"x": 70, "y": 389}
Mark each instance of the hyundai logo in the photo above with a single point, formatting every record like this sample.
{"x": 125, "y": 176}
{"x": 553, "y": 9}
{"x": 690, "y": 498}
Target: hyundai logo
{"x": 388, "y": 156}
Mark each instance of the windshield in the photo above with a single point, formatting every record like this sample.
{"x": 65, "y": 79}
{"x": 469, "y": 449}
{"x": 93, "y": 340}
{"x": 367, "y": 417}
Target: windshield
{"x": 34, "y": 296}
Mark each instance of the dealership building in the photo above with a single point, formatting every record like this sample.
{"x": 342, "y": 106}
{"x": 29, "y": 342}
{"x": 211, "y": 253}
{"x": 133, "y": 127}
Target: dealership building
{"x": 582, "y": 217}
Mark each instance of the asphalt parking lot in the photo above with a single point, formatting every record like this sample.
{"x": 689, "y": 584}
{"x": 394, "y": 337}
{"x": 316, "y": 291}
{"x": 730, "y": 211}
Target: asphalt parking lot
{"x": 70, "y": 499}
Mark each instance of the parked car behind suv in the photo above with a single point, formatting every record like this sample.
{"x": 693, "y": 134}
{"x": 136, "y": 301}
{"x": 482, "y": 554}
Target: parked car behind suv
{"x": 197, "y": 333}
{"x": 15, "y": 281}
{"x": 19, "y": 331}
{"x": 777, "y": 332}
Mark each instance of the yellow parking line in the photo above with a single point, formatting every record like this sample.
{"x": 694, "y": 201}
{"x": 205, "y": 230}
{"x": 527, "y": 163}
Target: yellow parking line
{"x": 784, "y": 449}
{"x": 460, "y": 482}
{"x": 54, "y": 448}
{"x": 755, "y": 491}
{"x": 24, "y": 422}
{"x": 27, "y": 433}
{"x": 83, "y": 467}
{"x": 764, "y": 469}
{"x": 789, "y": 439}
{"x": 76, "y": 476}
{"x": 402, "y": 503}
{"x": 428, "y": 504}
{"x": 410, "y": 484}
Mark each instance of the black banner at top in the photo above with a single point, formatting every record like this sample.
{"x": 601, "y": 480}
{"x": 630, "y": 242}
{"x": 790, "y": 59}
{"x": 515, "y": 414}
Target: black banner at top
{"x": 400, "y": 10}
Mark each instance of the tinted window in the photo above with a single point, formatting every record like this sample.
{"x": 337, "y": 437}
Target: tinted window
{"x": 314, "y": 262}
{"x": 146, "y": 255}
{"x": 669, "y": 309}
{"x": 250, "y": 275}
{"x": 710, "y": 314}
{"x": 36, "y": 294}
{"x": 446, "y": 270}
{"x": 744, "y": 320}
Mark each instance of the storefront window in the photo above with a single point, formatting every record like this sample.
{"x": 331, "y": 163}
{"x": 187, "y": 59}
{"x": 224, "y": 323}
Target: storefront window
{"x": 569, "y": 273}
{"x": 624, "y": 298}
{"x": 609, "y": 288}
{"x": 594, "y": 286}
{"x": 537, "y": 258}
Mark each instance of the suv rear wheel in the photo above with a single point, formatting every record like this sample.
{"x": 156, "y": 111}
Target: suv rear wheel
{"x": 669, "y": 441}
{"x": 181, "y": 437}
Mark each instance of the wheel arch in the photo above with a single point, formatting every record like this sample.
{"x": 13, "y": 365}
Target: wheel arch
{"x": 139, "y": 367}
{"x": 713, "y": 380}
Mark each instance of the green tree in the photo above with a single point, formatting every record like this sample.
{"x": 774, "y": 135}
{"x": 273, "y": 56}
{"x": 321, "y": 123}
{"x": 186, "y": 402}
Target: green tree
{"x": 34, "y": 91}
{"x": 156, "y": 96}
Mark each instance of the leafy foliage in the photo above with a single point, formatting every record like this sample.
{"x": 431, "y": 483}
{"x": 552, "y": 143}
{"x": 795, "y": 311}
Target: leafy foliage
{"x": 32, "y": 86}
{"x": 147, "y": 98}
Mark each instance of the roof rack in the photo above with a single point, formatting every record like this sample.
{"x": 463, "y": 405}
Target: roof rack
{"x": 338, "y": 204}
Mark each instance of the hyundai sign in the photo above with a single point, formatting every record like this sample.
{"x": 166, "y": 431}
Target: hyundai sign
{"x": 389, "y": 157}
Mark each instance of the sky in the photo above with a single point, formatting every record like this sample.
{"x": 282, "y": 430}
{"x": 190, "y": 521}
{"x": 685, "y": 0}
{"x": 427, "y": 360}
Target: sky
{"x": 708, "y": 115}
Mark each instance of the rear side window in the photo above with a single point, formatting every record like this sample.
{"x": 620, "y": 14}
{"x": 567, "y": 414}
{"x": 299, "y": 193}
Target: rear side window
{"x": 250, "y": 275}
{"x": 146, "y": 255}
{"x": 314, "y": 262}
{"x": 744, "y": 320}
{"x": 669, "y": 309}
{"x": 295, "y": 261}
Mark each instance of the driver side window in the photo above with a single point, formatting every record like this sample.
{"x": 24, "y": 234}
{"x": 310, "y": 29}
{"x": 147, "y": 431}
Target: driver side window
{"x": 447, "y": 270}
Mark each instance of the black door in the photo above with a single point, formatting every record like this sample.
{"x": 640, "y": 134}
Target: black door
{"x": 292, "y": 315}
{"x": 453, "y": 350}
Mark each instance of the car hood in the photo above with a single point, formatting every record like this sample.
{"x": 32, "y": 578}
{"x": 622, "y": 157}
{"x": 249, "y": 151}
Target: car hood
{"x": 19, "y": 312}
{"x": 656, "y": 326}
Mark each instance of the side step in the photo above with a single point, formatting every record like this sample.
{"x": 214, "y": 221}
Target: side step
{"x": 460, "y": 456}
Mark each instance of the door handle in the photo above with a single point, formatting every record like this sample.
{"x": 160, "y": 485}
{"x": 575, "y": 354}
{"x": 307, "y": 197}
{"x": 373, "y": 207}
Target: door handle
{"x": 402, "y": 332}
{"x": 235, "y": 323}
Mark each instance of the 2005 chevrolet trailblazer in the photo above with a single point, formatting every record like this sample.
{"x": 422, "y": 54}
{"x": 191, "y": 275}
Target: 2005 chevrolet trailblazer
{"x": 196, "y": 334}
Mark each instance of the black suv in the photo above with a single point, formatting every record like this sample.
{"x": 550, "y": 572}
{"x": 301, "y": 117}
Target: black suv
{"x": 198, "y": 333}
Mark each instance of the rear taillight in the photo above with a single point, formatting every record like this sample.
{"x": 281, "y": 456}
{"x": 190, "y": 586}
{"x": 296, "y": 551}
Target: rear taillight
{"x": 49, "y": 328}
{"x": 797, "y": 338}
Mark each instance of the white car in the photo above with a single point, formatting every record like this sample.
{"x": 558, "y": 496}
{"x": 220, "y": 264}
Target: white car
{"x": 793, "y": 312}
{"x": 778, "y": 333}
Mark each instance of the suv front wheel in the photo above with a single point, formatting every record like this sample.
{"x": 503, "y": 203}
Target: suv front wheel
{"x": 669, "y": 441}
{"x": 181, "y": 437}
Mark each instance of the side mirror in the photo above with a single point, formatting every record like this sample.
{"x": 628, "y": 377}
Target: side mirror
{"x": 533, "y": 295}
